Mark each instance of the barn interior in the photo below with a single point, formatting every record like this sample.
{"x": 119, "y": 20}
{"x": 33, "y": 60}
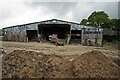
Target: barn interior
{"x": 62, "y": 30}
{"x": 31, "y": 35}
{"x": 76, "y": 36}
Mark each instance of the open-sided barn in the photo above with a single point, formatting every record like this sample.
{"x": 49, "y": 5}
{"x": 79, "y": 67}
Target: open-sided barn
{"x": 37, "y": 31}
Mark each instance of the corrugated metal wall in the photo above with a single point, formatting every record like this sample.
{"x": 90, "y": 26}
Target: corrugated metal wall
{"x": 21, "y": 29}
{"x": 18, "y": 33}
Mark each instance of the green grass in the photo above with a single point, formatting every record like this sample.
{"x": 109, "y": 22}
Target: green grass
{"x": 112, "y": 45}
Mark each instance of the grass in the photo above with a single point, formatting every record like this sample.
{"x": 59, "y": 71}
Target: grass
{"x": 112, "y": 45}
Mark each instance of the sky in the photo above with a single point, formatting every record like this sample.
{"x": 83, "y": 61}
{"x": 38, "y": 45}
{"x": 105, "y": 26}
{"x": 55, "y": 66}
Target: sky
{"x": 17, "y": 12}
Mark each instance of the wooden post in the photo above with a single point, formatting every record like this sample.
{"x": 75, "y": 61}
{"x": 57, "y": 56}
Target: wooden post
{"x": 70, "y": 32}
{"x": 102, "y": 39}
{"x": 41, "y": 30}
{"x": 69, "y": 37}
{"x": 26, "y": 38}
{"x": 38, "y": 33}
{"x": 81, "y": 36}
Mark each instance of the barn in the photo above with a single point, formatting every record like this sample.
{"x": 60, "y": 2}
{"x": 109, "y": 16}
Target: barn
{"x": 85, "y": 35}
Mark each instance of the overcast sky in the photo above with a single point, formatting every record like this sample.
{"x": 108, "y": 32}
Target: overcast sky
{"x": 27, "y": 11}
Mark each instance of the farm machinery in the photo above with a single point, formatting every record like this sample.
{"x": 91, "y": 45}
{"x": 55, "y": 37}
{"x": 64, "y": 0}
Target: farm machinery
{"x": 54, "y": 39}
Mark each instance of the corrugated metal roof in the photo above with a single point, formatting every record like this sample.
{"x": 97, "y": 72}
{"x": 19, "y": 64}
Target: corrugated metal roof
{"x": 45, "y": 22}
{"x": 21, "y": 29}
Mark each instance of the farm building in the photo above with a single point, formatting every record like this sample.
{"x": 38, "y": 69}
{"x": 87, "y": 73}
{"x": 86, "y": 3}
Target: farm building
{"x": 37, "y": 31}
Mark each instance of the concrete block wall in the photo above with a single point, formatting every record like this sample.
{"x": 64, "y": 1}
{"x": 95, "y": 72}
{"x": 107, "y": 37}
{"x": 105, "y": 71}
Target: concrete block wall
{"x": 15, "y": 37}
{"x": 90, "y": 39}
{"x": 92, "y": 42}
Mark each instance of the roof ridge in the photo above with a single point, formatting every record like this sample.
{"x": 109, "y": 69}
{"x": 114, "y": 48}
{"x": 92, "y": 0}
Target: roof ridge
{"x": 43, "y": 21}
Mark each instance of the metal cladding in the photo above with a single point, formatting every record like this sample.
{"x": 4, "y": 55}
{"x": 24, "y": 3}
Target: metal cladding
{"x": 21, "y": 29}
{"x": 89, "y": 35}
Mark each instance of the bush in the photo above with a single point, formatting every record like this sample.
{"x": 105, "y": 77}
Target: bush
{"x": 111, "y": 38}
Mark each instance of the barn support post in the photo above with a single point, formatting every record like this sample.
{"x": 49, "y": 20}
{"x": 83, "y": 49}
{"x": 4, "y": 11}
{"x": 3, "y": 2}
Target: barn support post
{"x": 41, "y": 30}
{"x": 38, "y": 33}
{"x": 70, "y": 32}
{"x": 41, "y": 34}
{"x": 69, "y": 36}
{"x": 82, "y": 37}
{"x": 102, "y": 38}
{"x": 26, "y": 38}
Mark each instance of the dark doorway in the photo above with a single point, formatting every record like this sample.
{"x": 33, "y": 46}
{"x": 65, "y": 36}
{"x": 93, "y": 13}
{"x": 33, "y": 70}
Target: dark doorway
{"x": 62, "y": 30}
{"x": 31, "y": 35}
{"x": 76, "y": 36}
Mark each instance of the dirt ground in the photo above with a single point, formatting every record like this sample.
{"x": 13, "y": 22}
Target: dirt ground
{"x": 50, "y": 48}
{"x": 33, "y": 59}
{"x": 111, "y": 51}
{"x": 31, "y": 64}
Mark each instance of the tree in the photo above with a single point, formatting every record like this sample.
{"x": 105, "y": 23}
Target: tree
{"x": 98, "y": 19}
{"x": 101, "y": 19}
{"x": 113, "y": 24}
{"x": 117, "y": 25}
{"x": 84, "y": 22}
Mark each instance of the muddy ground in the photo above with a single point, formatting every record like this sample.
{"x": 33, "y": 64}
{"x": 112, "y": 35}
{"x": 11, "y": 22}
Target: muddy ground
{"x": 66, "y": 55}
{"x": 49, "y": 48}
{"x": 30, "y": 64}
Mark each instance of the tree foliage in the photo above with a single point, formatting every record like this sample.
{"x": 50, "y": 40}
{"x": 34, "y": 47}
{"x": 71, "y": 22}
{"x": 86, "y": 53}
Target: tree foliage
{"x": 84, "y": 22}
{"x": 101, "y": 19}
{"x": 117, "y": 25}
{"x": 97, "y": 19}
